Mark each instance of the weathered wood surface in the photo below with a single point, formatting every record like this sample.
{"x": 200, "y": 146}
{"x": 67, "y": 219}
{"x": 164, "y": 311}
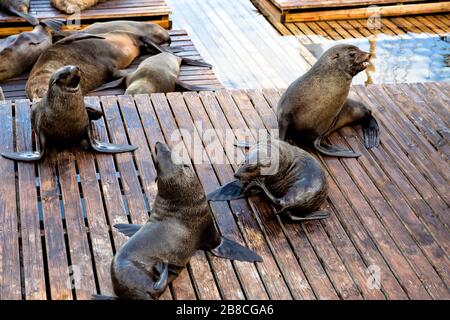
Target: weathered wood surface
{"x": 387, "y": 238}
{"x": 144, "y": 10}
{"x": 15, "y": 88}
{"x": 304, "y": 4}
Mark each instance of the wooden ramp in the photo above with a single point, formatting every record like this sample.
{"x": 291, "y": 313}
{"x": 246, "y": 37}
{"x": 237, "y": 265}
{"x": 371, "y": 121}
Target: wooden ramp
{"x": 155, "y": 11}
{"x": 15, "y": 88}
{"x": 315, "y": 10}
{"x": 387, "y": 237}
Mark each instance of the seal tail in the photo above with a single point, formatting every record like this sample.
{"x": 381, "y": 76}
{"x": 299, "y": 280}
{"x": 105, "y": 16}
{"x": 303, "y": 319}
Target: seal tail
{"x": 229, "y": 249}
{"x": 54, "y": 24}
{"x": 26, "y": 16}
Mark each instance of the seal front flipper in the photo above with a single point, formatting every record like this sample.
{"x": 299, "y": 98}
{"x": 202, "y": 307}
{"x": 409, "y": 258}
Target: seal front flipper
{"x": 27, "y": 156}
{"x": 54, "y": 24}
{"x": 231, "y": 191}
{"x": 371, "y": 132}
{"x": 333, "y": 151}
{"x": 128, "y": 229}
{"x": 196, "y": 63}
{"x": 26, "y": 16}
{"x": 184, "y": 86}
{"x": 104, "y": 147}
{"x": 102, "y": 297}
{"x": 316, "y": 215}
{"x": 229, "y": 249}
{"x": 78, "y": 37}
{"x": 159, "y": 286}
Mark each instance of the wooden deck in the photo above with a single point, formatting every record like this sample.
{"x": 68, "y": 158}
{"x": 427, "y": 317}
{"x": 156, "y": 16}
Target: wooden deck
{"x": 390, "y": 208}
{"x": 155, "y": 11}
{"x": 315, "y": 10}
{"x": 15, "y": 88}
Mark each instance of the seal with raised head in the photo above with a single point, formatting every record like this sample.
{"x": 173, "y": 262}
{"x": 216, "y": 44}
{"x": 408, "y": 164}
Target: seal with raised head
{"x": 180, "y": 223}
{"x": 19, "y": 52}
{"x": 317, "y": 103}
{"x": 160, "y": 73}
{"x": 101, "y": 57}
{"x": 62, "y": 118}
{"x": 20, "y": 8}
{"x": 289, "y": 177}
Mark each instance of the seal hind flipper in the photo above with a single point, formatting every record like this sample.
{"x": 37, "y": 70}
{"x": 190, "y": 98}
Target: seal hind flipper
{"x": 128, "y": 229}
{"x": 163, "y": 273}
{"x": 371, "y": 132}
{"x": 333, "y": 151}
{"x": 53, "y": 24}
{"x": 102, "y": 297}
{"x": 231, "y": 191}
{"x": 93, "y": 113}
{"x": 316, "y": 215}
{"x": 104, "y": 147}
{"x": 26, "y": 16}
{"x": 196, "y": 63}
{"x": 229, "y": 249}
{"x": 184, "y": 86}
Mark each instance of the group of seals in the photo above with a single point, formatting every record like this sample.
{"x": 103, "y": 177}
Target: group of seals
{"x": 289, "y": 177}
{"x": 101, "y": 56}
{"x": 317, "y": 103}
{"x": 62, "y": 118}
{"x": 20, "y": 8}
{"x": 180, "y": 224}
{"x": 19, "y": 52}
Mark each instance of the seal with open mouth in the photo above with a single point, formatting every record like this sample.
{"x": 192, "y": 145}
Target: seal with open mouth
{"x": 180, "y": 224}
{"x": 317, "y": 103}
{"x": 62, "y": 118}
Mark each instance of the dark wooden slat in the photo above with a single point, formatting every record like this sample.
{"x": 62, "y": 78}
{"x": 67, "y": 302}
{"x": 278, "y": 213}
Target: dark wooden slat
{"x": 33, "y": 260}
{"x": 10, "y": 286}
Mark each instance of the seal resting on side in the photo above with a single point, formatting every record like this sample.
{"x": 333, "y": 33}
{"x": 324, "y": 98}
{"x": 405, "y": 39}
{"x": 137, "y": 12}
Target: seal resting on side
{"x": 317, "y": 103}
{"x": 19, "y": 8}
{"x": 180, "y": 224}
{"x": 293, "y": 180}
{"x": 101, "y": 57}
{"x": 19, "y": 52}
{"x": 62, "y": 118}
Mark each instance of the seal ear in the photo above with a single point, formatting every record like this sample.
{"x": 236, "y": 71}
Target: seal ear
{"x": 335, "y": 56}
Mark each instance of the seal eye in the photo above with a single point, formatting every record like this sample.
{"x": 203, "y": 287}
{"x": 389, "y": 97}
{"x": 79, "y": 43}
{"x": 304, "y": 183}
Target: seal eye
{"x": 352, "y": 55}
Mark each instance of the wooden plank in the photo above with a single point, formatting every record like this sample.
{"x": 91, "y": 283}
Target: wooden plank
{"x": 10, "y": 286}
{"x": 302, "y": 4}
{"x": 33, "y": 260}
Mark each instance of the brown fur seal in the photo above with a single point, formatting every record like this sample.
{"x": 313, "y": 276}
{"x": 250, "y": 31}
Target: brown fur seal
{"x": 73, "y": 6}
{"x": 159, "y": 73}
{"x": 101, "y": 57}
{"x": 316, "y": 104}
{"x": 180, "y": 224}
{"x": 19, "y": 52}
{"x": 19, "y": 8}
{"x": 292, "y": 179}
{"x": 62, "y": 118}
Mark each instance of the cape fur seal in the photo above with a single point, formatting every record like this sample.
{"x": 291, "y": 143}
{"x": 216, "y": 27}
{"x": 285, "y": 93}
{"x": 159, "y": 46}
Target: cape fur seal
{"x": 73, "y": 6}
{"x": 101, "y": 57}
{"x": 292, "y": 179}
{"x": 160, "y": 73}
{"x": 19, "y": 8}
{"x": 316, "y": 104}
{"x": 62, "y": 118}
{"x": 180, "y": 224}
{"x": 19, "y": 52}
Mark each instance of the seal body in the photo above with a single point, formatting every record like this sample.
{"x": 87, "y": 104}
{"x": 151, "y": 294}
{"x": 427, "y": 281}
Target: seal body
{"x": 158, "y": 73}
{"x": 73, "y": 6}
{"x": 292, "y": 179}
{"x": 100, "y": 57}
{"x": 317, "y": 103}
{"x": 19, "y": 52}
{"x": 180, "y": 224}
{"x": 19, "y": 8}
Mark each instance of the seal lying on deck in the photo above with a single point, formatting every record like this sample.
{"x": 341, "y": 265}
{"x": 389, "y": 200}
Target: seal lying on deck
{"x": 180, "y": 224}
{"x": 62, "y": 118}
{"x": 19, "y": 52}
{"x": 19, "y": 8}
{"x": 159, "y": 73}
{"x": 73, "y": 6}
{"x": 316, "y": 104}
{"x": 101, "y": 58}
{"x": 292, "y": 179}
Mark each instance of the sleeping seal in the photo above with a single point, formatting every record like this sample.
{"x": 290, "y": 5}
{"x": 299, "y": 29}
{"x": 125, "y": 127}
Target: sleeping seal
{"x": 73, "y": 6}
{"x": 292, "y": 179}
{"x": 62, "y": 118}
{"x": 316, "y": 104}
{"x": 101, "y": 57}
{"x": 19, "y": 8}
{"x": 19, "y": 52}
{"x": 180, "y": 224}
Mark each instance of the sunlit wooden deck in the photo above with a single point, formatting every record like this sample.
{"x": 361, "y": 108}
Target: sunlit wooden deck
{"x": 390, "y": 208}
